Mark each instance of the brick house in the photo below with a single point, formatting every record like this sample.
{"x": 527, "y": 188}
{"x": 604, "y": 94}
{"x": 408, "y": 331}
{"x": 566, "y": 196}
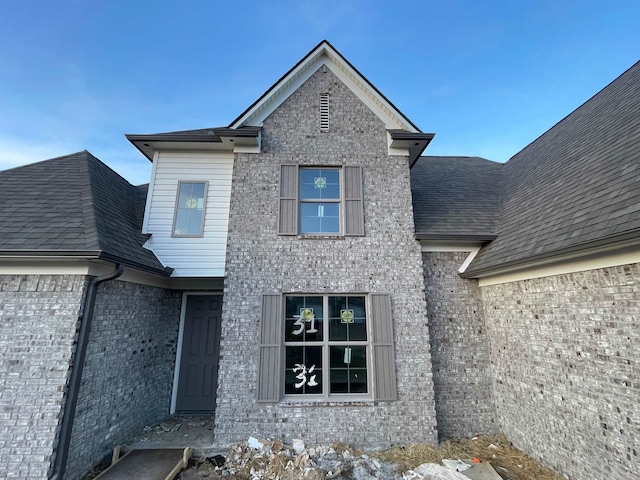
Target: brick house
{"x": 306, "y": 272}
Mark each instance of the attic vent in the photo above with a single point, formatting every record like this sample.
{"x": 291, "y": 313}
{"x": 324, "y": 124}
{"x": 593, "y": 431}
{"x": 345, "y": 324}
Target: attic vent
{"x": 324, "y": 112}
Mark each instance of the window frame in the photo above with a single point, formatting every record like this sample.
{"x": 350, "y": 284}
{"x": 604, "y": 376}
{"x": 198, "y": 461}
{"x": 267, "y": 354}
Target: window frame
{"x": 339, "y": 201}
{"x": 326, "y": 345}
{"x": 269, "y": 388}
{"x": 177, "y": 209}
{"x": 352, "y": 221}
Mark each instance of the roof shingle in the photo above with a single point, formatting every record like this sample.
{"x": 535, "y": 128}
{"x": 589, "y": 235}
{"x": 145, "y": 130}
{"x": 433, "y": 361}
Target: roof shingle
{"x": 73, "y": 205}
{"x": 577, "y": 184}
{"x": 456, "y": 197}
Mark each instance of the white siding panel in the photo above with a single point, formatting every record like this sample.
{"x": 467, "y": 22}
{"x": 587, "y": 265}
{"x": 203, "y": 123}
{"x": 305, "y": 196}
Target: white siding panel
{"x": 190, "y": 257}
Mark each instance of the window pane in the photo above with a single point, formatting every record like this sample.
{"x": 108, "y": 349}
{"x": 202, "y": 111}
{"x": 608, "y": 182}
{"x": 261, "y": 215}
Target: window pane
{"x": 304, "y": 319}
{"x": 190, "y": 208}
{"x": 303, "y": 370}
{"x": 348, "y": 369}
{"x": 309, "y": 225}
{"x": 358, "y": 380}
{"x": 337, "y": 328}
{"x": 347, "y": 319}
{"x": 197, "y": 190}
{"x": 319, "y": 217}
{"x": 319, "y": 183}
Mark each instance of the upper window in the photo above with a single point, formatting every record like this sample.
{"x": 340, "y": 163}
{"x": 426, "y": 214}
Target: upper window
{"x": 320, "y": 196}
{"x": 326, "y": 345}
{"x": 190, "y": 208}
{"x": 321, "y": 201}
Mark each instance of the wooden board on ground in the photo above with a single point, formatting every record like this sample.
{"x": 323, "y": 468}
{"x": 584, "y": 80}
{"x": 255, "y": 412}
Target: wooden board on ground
{"x": 151, "y": 464}
{"x": 482, "y": 471}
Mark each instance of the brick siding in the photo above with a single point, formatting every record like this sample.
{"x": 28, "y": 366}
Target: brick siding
{"x": 565, "y": 356}
{"x": 386, "y": 260}
{"x": 38, "y": 319}
{"x": 459, "y": 348}
{"x": 128, "y": 375}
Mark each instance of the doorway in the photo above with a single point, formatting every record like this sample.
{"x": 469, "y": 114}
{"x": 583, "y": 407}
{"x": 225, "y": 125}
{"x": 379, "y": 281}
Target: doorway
{"x": 196, "y": 379}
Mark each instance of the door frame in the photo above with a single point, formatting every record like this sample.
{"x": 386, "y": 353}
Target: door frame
{"x": 176, "y": 371}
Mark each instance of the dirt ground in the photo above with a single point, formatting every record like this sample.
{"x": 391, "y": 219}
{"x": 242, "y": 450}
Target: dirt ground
{"x": 276, "y": 461}
{"x": 343, "y": 462}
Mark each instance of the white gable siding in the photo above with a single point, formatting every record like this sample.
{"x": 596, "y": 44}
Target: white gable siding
{"x": 190, "y": 257}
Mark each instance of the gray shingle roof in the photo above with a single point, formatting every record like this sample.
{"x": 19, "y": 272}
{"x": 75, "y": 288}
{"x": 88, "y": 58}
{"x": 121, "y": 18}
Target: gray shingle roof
{"x": 575, "y": 186}
{"x": 73, "y": 205}
{"x": 456, "y": 197}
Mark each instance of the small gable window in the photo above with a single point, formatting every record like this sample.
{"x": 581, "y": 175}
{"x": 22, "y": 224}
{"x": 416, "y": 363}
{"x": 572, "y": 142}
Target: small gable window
{"x": 190, "y": 207}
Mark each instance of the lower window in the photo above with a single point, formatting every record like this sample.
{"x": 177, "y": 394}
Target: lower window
{"x": 326, "y": 346}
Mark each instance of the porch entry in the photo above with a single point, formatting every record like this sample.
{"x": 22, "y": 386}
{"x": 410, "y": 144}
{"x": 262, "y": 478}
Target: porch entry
{"x": 198, "y": 370}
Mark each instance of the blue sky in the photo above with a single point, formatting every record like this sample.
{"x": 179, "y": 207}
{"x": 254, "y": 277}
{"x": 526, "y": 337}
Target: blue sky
{"x": 487, "y": 77}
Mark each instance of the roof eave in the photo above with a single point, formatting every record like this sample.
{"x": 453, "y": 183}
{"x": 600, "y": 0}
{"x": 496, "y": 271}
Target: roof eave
{"x": 225, "y": 138}
{"x": 82, "y": 255}
{"x": 414, "y": 142}
{"x": 482, "y": 237}
{"x": 605, "y": 245}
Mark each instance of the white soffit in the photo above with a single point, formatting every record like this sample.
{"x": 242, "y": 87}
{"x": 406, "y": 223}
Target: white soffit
{"x": 472, "y": 248}
{"x": 324, "y": 55}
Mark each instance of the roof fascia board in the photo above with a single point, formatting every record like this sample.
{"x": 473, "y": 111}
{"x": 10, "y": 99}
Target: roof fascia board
{"x": 625, "y": 243}
{"x": 448, "y": 239}
{"x": 242, "y": 140}
{"x": 39, "y": 266}
{"x": 465, "y": 247}
{"x": 56, "y": 255}
{"x": 562, "y": 267}
{"x": 324, "y": 54}
{"x": 150, "y": 191}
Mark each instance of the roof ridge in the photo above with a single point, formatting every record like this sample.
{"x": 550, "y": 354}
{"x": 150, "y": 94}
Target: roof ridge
{"x": 87, "y": 200}
{"x": 599, "y": 93}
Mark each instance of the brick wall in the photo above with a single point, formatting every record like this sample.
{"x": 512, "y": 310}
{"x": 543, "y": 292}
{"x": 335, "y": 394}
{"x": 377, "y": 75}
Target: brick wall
{"x": 565, "y": 355}
{"x": 38, "y": 319}
{"x": 128, "y": 375}
{"x": 459, "y": 348}
{"x": 386, "y": 260}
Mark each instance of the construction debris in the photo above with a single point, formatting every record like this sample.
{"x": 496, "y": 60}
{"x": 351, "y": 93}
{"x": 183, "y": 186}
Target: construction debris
{"x": 266, "y": 459}
{"x": 272, "y": 459}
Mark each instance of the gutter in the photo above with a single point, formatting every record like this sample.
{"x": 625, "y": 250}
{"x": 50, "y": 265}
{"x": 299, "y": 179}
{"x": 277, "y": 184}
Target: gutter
{"x": 85, "y": 319}
{"x": 84, "y": 255}
{"x": 604, "y": 245}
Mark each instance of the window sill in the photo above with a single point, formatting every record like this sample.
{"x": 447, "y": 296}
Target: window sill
{"x": 355, "y": 402}
{"x": 307, "y": 236}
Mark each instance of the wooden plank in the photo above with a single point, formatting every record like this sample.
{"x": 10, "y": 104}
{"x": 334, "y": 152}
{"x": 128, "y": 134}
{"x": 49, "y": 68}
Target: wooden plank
{"x": 151, "y": 464}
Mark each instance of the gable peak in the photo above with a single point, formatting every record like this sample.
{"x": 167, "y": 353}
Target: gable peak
{"x": 324, "y": 55}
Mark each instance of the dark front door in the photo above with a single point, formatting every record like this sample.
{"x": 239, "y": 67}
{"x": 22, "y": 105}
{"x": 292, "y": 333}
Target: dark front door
{"x": 198, "y": 376}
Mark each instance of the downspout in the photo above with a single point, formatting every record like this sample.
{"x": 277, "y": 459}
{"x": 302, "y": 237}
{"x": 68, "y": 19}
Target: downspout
{"x": 85, "y": 319}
